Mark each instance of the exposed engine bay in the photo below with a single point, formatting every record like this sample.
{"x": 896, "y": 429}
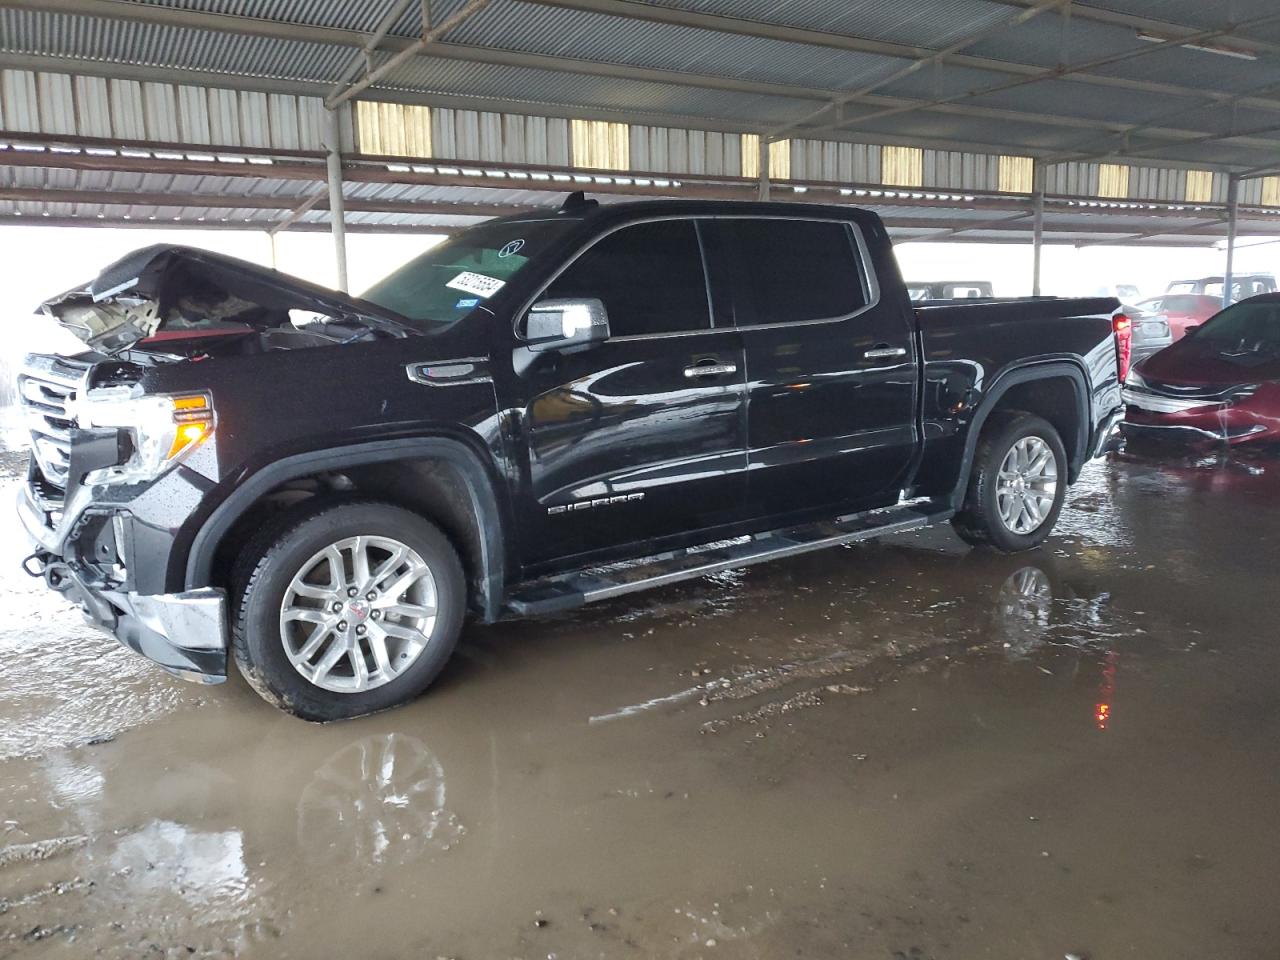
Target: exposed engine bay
{"x": 168, "y": 303}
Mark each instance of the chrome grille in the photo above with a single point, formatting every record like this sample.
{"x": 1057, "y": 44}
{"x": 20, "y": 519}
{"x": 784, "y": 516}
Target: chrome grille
{"x": 47, "y": 388}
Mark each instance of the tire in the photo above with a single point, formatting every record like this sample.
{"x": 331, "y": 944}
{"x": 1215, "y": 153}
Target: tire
{"x": 287, "y": 558}
{"x": 980, "y": 520}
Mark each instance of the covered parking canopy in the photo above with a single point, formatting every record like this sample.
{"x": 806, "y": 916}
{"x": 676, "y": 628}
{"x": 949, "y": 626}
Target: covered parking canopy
{"x": 994, "y": 120}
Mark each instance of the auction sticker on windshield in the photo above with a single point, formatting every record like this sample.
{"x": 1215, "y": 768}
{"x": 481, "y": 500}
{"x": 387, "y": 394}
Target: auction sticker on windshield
{"x": 476, "y": 283}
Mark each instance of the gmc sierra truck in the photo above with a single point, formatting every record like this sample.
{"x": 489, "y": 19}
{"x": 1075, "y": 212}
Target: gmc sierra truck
{"x": 543, "y": 411}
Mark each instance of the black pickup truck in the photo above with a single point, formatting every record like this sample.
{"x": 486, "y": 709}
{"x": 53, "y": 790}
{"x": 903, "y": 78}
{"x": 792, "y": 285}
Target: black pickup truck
{"x": 544, "y": 410}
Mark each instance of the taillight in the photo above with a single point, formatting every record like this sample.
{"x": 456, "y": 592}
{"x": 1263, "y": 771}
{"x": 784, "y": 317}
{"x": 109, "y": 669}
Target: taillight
{"x": 1123, "y": 328}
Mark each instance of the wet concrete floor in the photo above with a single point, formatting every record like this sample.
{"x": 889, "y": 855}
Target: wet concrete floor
{"x": 902, "y": 749}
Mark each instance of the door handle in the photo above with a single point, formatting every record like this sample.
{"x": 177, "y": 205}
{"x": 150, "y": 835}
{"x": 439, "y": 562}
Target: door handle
{"x": 885, "y": 353}
{"x": 710, "y": 368}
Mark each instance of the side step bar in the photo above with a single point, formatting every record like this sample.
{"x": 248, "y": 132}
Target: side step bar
{"x": 563, "y": 592}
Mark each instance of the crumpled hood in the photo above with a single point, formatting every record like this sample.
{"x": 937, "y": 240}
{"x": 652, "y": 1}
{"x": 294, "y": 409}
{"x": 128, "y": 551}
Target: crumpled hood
{"x": 186, "y": 288}
{"x": 1195, "y": 362}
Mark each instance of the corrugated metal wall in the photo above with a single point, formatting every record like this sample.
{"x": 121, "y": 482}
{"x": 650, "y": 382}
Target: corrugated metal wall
{"x": 673, "y": 150}
{"x": 961, "y": 171}
{"x": 1145, "y": 183}
{"x": 499, "y": 137}
{"x": 1072, "y": 179}
{"x": 57, "y": 103}
{"x": 839, "y": 162}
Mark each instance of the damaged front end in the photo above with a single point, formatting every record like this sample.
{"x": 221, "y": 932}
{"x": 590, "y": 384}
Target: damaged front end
{"x": 115, "y": 458}
{"x": 94, "y": 454}
{"x": 168, "y": 302}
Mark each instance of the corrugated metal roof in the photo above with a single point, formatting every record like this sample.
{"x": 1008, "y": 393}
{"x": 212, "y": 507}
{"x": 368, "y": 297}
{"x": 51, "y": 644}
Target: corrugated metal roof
{"x": 934, "y": 24}
{"x": 149, "y": 94}
{"x": 592, "y": 36}
{"x": 532, "y": 86}
{"x": 1191, "y": 12}
{"x": 1045, "y": 40}
{"x": 144, "y": 44}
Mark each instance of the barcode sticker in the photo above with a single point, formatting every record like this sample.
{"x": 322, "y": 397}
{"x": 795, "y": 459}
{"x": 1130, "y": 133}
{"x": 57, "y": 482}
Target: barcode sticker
{"x": 476, "y": 283}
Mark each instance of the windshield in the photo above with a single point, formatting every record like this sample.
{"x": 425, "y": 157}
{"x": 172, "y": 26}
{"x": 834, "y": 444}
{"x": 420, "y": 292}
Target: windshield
{"x": 452, "y": 279}
{"x": 1244, "y": 327}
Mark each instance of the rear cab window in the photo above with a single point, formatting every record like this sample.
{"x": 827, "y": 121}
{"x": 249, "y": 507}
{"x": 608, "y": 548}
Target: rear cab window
{"x": 793, "y": 271}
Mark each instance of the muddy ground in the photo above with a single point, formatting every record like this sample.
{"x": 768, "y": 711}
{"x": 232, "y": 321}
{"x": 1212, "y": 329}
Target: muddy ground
{"x": 902, "y": 749}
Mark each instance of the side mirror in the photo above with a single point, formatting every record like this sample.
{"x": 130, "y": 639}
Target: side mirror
{"x": 1189, "y": 327}
{"x": 566, "y": 324}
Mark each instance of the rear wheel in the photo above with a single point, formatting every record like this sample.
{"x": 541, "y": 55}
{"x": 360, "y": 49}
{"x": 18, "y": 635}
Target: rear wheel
{"x": 347, "y": 609}
{"x": 1018, "y": 484}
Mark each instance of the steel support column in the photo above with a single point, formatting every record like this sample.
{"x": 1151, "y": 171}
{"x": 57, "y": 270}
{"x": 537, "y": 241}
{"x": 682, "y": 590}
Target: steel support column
{"x": 763, "y": 161}
{"x": 1037, "y": 228}
{"x": 1233, "y": 211}
{"x": 337, "y": 209}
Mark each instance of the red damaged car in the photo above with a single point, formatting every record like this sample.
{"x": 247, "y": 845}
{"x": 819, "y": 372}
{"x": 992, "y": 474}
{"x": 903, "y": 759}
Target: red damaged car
{"x": 1220, "y": 382}
{"x": 1182, "y": 310}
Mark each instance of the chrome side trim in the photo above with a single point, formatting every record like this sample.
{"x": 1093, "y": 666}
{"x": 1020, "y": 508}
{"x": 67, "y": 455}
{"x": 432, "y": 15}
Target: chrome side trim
{"x": 449, "y": 373}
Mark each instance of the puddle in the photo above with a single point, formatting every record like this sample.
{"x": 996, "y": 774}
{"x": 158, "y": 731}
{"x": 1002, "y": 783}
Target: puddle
{"x": 897, "y": 749}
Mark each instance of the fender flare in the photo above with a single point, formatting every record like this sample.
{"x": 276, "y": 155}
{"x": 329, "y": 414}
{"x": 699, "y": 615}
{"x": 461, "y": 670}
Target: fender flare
{"x": 1012, "y": 377}
{"x": 480, "y": 488}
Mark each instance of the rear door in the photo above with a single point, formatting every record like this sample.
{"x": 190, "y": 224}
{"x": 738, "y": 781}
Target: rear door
{"x": 642, "y": 437}
{"x": 831, "y": 369}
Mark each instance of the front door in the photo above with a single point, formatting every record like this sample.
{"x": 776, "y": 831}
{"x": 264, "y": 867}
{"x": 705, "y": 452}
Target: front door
{"x": 831, "y": 371}
{"x": 640, "y": 438}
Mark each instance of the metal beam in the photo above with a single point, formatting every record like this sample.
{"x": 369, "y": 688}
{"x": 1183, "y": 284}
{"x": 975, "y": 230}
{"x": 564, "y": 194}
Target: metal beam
{"x": 425, "y": 44}
{"x": 1123, "y": 149}
{"x": 1233, "y": 224}
{"x": 764, "y": 162}
{"x": 255, "y": 226}
{"x": 1056, "y": 73}
{"x": 1129, "y": 236}
{"x": 365, "y": 56}
{"x": 293, "y": 216}
{"x": 337, "y": 213}
{"x": 1037, "y": 228}
{"x": 837, "y": 104}
{"x": 1142, "y": 24}
{"x": 491, "y": 180}
{"x": 1001, "y": 224}
{"x": 741, "y": 26}
{"x": 1118, "y": 233}
{"x": 221, "y": 201}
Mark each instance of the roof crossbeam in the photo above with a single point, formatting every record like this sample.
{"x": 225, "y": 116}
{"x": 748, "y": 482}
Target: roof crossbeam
{"x": 1060, "y": 72}
{"x": 429, "y": 37}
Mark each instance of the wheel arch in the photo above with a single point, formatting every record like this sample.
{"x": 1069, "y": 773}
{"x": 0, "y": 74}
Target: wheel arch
{"x": 1025, "y": 388}
{"x": 450, "y": 485}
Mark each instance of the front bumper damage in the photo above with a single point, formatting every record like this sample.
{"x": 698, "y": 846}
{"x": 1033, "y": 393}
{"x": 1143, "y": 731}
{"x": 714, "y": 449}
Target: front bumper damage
{"x": 185, "y": 633}
{"x": 1249, "y": 416}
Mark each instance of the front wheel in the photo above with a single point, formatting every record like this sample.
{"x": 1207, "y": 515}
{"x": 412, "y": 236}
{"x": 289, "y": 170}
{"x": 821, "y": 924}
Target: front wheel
{"x": 351, "y": 608}
{"x": 1017, "y": 486}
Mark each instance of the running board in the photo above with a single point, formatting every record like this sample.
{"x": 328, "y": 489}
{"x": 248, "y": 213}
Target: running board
{"x": 563, "y": 592}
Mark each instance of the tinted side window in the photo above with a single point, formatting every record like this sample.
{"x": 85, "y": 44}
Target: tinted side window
{"x": 793, "y": 270}
{"x": 649, "y": 277}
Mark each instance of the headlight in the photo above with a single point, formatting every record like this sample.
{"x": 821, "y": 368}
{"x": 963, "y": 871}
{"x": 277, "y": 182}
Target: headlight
{"x": 1135, "y": 380}
{"x": 164, "y": 429}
